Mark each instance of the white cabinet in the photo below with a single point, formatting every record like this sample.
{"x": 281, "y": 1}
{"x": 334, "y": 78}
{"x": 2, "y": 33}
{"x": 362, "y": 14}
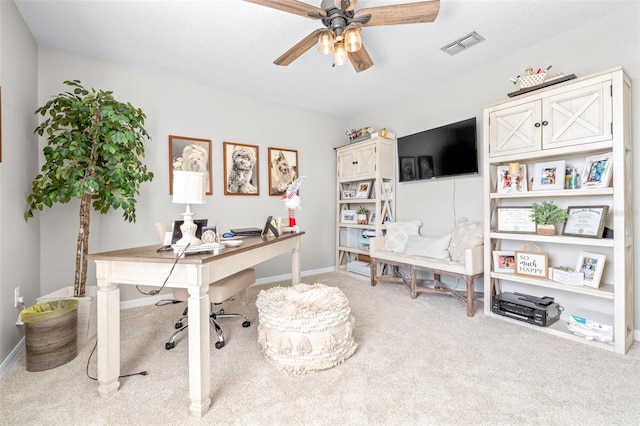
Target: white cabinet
{"x": 570, "y": 122}
{"x": 577, "y": 113}
{"x": 371, "y": 162}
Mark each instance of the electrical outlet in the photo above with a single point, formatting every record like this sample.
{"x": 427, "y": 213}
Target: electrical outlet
{"x": 16, "y": 297}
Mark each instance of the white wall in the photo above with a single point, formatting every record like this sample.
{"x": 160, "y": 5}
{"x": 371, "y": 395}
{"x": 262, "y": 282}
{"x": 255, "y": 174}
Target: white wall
{"x": 610, "y": 41}
{"x": 178, "y": 107}
{"x": 19, "y": 241}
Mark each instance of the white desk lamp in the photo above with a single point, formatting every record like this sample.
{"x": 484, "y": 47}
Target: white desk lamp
{"x": 188, "y": 188}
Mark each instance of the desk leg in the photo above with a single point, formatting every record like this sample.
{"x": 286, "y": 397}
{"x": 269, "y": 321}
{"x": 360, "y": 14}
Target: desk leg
{"x": 199, "y": 349}
{"x": 108, "y": 317}
{"x": 295, "y": 263}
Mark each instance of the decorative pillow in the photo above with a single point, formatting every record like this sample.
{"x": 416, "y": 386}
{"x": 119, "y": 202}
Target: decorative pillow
{"x": 397, "y": 234}
{"x": 434, "y": 247}
{"x": 465, "y": 235}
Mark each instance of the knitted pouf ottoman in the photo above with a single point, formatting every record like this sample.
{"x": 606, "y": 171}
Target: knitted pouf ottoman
{"x": 305, "y": 327}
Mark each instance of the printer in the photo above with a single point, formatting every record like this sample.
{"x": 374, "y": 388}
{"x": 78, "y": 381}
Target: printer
{"x": 540, "y": 311}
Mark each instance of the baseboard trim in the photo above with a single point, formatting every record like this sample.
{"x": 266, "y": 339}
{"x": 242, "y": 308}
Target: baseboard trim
{"x": 12, "y": 358}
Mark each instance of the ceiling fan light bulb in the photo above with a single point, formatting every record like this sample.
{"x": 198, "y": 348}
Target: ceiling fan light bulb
{"x": 352, "y": 39}
{"x": 339, "y": 54}
{"x": 325, "y": 42}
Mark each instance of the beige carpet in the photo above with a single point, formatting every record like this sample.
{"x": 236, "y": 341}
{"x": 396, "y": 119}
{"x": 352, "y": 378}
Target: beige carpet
{"x": 419, "y": 361}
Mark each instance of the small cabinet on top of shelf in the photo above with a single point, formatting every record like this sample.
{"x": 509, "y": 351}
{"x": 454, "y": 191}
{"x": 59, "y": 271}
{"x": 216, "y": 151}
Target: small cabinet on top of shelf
{"x": 365, "y": 178}
{"x": 572, "y": 124}
{"x": 576, "y": 113}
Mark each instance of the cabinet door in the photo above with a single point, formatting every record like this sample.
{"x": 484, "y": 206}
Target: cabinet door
{"x": 515, "y": 129}
{"x": 355, "y": 162}
{"x": 577, "y": 116}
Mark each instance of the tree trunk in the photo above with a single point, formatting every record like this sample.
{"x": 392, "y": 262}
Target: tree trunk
{"x": 82, "y": 249}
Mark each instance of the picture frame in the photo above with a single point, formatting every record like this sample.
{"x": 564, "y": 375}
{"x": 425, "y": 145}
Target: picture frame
{"x": 283, "y": 169}
{"x": 190, "y": 154}
{"x": 269, "y": 226}
{"x": 364, "y": 189}
{"x": 348, "y": 194}
{"x": 585, "y": 221}
{"x": 425, "y": 167}
{"x": 372, "y": 218}
{"x": 507, "y": 183}
{"x": 504, "y": 261}
{"x": 549, "y": 176}
{"x": 597, "y": 171}
{"x": 241, "y": 169}
{"x": 592, "y": 265}
{"x": 531, "y": 263}
{"x": 515, "y": 219}
{"x": 348, "y": 216}
{"x": 407, "y": 169}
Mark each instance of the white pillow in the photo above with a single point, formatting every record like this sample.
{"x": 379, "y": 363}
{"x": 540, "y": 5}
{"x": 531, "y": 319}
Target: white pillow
{"x": 465, "y": 235}
{"x": 397, "y": 234}
{"x": 434, "y": 247}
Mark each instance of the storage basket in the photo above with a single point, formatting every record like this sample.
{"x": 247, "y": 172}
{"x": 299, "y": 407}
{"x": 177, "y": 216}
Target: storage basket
{"x": 531, "y": 80}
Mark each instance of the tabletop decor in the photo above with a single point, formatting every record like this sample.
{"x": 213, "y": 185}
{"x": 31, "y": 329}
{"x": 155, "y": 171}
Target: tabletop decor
{"x": 292, "y": 200}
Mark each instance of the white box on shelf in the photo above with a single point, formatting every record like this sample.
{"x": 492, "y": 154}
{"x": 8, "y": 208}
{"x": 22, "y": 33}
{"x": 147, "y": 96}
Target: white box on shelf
{"x": 566, "y": 277}
{"x": 359, "y": 267}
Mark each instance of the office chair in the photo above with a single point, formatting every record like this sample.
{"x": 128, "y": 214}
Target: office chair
{"x": 219, "y": 291}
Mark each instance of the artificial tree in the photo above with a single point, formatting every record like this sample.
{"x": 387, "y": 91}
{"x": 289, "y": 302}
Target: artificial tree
{"x": 93, "y": 151}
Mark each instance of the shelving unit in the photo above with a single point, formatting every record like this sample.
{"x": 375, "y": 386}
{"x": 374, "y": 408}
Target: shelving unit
{"x": 569, "y": 121}
{"x": 371, "y": 161}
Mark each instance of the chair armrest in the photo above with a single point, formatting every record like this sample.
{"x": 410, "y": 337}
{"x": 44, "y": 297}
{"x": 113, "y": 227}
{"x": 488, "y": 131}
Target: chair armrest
{"x": 376, "y": 244}
{"x": 474, "y": 260}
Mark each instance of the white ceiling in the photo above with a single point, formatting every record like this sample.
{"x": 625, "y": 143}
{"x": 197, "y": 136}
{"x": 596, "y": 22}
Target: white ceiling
{"x": 231, "y": 44}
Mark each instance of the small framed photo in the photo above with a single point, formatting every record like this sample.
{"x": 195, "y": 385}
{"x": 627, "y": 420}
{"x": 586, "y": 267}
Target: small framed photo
{"x": 597, "y": 171}
{"x": 372, "y": 218}
{"x": 283, "y": 169}
{"x": 515, "y": 219}
{"x": 192, "y": 155}
{"x": 512, "y": 183}
{"x": 504, "y": 261}
{"x": 549, "y": 176}
{"x": 585, "y": 221}
{"x": 425, "y": 167}
{"x": 531, "y": 263}
{"x": 240, "y": 169}
{"x": 592, "y": 265}
{"x": 364, "y": 188}
{"x": 348, "y": 216}
{"x": 348, "y": 194}
{"x": 407, "y": 169}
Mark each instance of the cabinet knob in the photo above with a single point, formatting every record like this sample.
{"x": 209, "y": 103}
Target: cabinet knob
{"x": 544, "y": 123}
{"x": 354, "y": 162}
{"x": 537, "y": 124}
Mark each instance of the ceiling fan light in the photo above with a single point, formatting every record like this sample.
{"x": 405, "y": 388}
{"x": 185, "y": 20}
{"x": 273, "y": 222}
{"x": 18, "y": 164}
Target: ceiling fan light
{"x": 325, "y": 42}
{"x": 352, "y": 39}
{"x": 339, "y": 54}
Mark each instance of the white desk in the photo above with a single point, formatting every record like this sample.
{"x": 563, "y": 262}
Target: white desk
{"x": 144, "y": 266}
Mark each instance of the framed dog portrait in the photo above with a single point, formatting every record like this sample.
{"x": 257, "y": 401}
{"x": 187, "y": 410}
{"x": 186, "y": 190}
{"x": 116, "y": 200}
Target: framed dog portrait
{"x": 240, "y": 169}
{"x": 407, "y": 169}
{"x": 192, "y": 155}
{"x": 283, "y": 169}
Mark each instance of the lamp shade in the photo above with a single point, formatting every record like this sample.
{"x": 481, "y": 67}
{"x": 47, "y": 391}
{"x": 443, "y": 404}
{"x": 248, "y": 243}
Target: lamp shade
{"x": 188, "y": 187}
{"x": 339, "y": 54}
{"x": 325, "y": 42}
{"x": 352, "y": 40}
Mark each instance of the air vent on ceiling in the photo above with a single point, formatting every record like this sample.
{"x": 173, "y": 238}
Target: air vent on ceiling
{"x": 463, "y": 43}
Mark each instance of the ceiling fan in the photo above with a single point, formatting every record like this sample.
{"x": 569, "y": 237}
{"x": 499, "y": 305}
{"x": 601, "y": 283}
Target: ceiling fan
{"x": 343, "y": 25}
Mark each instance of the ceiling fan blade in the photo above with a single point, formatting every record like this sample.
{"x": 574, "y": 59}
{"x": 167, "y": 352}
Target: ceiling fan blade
{"x": 408, "y": 13}
{"x": 360, "y": 59}
{"x": 291, "y": 6}
{"x": 303, "y": 45}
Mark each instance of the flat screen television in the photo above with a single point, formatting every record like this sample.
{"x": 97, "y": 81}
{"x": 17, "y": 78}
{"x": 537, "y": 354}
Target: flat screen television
{"x": 445, "y": 151}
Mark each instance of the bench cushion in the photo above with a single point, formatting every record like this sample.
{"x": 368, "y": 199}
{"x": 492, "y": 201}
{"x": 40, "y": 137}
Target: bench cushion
{"x": 435, "y": 247}
{"x": 465, "y": 235}
{"x": 398, "y": 234}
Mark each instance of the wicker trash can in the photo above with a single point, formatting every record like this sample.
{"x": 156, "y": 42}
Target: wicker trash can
{"x": 51, "y": 333}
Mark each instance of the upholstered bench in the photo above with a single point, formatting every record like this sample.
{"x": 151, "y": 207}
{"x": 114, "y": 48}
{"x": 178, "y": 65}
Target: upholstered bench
{"x": 305, "y": 327}
{"x": 458, "y": 254}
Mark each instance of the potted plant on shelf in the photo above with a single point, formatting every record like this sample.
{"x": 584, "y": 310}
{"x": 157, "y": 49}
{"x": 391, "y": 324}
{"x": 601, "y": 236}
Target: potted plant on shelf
{"x": 363, "y": 215}
{"x": 546, "y": 214}
{"x": 93, "y": 151}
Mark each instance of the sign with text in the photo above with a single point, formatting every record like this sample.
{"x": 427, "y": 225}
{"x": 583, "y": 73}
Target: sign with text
{"x": 530, "y": 263}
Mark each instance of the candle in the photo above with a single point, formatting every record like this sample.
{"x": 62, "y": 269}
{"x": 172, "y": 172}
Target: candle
{"x": 514, "y": 169}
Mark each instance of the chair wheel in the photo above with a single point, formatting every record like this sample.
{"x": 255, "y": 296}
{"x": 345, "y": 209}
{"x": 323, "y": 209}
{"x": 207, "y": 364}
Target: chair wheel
{"x": 178, "y": 325}
{"x": 246, "y": 324}
{"x": 219, "y": 345}
{"x": 169, "y": 345}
